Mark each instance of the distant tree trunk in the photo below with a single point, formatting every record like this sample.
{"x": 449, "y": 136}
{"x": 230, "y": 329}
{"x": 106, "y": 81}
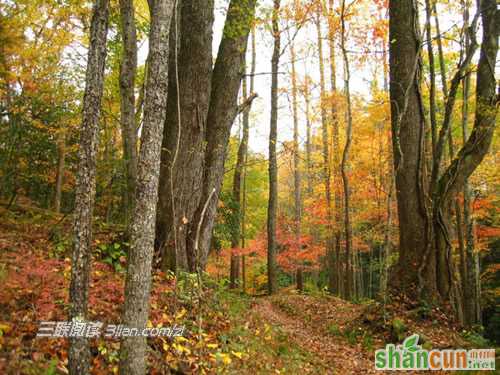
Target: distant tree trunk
{"x": 244, "y": 182}
{"x": 273, "y": 163}
{"x": 237, "y": 183}
{"x": 61, "y": 162}
{"x": 432, "y": 74}
{"x": 349, "y": 267}
{"x": 79, "y": 353}
{"x": 297, "y": 194}
{"x": 226, "y": 80}
{"x": 128, "y": 70}
{"x": 336, "y": 280}
{"x": 307, "y": 101}
{"x": 324, "y": 140}
{"x": 300, "y": 282}
{"x": 138, "y": 281}
{"x": 185, "y": 128}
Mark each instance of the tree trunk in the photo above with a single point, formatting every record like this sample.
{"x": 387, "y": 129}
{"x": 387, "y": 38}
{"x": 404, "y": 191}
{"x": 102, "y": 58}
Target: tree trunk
{"x": 61, "y": 148}
{"x": 324, "y": 139}
{"x": 79, "y": 353}
{"x": 350, "y": 291}
{"x": 138, "y": 281}
{"x": 273, "y": 163}
{"x": 128, "y": 70}
{"x": 185, "y": 127}
{"x": 226, "y": 79}
{"x": 335, "y": 278}
{"x": 407, "y": 137}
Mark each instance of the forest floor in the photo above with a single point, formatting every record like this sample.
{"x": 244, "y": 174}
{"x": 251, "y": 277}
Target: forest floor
{"x": 226, "y": 332}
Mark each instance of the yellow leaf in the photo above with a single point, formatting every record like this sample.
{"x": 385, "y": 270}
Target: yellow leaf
{"x": 237, "y": 354}
{"x": 212, "y": 346}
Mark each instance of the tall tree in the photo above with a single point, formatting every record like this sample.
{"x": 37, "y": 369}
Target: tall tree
{"x": 79, "y": 353}
{"x": 228, "y": 71}
{"x": 335, "y": 274}
{"x": 190, "y": 80}
{"x": 428, "y": 223}
{"x": 128, "y": 70}
{"x": 237, "y": 234}
{"x": 326, "y": 173}
{"x": 350, "y": 290}
{"x": 407, "y": 124}
{"x": 272, "y": 282}
{"x": 138, "y": 281}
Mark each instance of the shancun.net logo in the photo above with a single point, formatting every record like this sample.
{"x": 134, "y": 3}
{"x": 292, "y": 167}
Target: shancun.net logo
{"x": 411, "y": 356}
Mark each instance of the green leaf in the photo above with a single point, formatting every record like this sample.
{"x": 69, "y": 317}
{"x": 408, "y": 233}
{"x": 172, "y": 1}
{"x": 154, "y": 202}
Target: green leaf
{"x": 410, "y": 343}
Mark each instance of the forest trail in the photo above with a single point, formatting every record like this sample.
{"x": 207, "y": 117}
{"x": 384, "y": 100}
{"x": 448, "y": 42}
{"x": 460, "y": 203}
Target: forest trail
{"x": 333, "y": 353}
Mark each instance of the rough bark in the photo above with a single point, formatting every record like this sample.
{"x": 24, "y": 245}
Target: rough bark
{"x": 477, "y": 145}
{"x": 272, "y": 283}
{"x": 407, "y": 125}
{"x": 226, "y": 79}
{"x": 184, "y": 135}
{"x": 142, "y": 231}
{"x": 79, "y": 353}
{"x": 128, "y": 124}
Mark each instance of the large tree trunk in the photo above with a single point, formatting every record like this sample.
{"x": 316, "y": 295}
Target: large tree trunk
{"x": 184, "y": 135}
{"x": 407, "y": 137}
{"x": 226, "y": 79}
{"x": 79, "y": 353}
{"x": 272, "y": 283}
{"x": 138, "y": 281}
{"x": 128, "y": 70}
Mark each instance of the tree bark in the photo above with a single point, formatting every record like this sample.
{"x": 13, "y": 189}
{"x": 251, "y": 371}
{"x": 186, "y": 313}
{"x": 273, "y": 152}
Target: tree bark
{"x": 79, "y": 353}
{"x": 61, "y": 162}
{"x": 350, "y": 291}
{"x": 272, "y": 283}
{"x": 324, "y": 140}
{"x": 128, "y": 70}
{"x": 226, "y": 79}
{"x": 477, "y": 145}
{"x": 138, "y": 281}
{"x": 185, "y": 128}
{"x": 407, "y": 124}
{"x": 335, "y": 278}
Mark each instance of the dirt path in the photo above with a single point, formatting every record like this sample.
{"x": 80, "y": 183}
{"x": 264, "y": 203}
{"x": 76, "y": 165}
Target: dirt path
{"x": 334, "y": 353}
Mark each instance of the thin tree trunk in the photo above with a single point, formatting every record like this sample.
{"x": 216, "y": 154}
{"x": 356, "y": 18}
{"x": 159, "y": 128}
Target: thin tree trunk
{"x": 349, "y": 267}
{"x": 296, "y": 163}
{"x": 307, "y": 101}
{"x": 133, "y": 350}
{"x": 128, "y": 70}
{"x": 336, "y": 279}
{"x": 79, "y": 353}
{"x": 432, "y": 73}
{"x": 272, "y": 283}
{"x": 61, "y": 148}
{"x": 324, "y": 140}
{"x": 470, "y": 272}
